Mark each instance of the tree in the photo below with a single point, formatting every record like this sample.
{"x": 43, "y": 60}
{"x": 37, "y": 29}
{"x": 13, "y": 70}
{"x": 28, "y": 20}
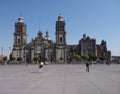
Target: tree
{"x": 69, "y": 59}
{"x": 36, "y": 58}
{"x": 92, "y": 58}
{"x": 12, "y": 58}
{"x": 85, "y": 57}
{"x": 19, "y": 59}
{"x": 5, "y": 58}
{"x": 45, "y": 59}
{"x": 76, "y": 57}
{"x": 102, "y": 58}
{"x": 61, "y": 58}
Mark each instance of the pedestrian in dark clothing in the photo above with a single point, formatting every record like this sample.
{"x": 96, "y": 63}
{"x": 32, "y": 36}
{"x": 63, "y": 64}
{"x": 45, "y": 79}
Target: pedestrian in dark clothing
{"x": 87, "y": 67}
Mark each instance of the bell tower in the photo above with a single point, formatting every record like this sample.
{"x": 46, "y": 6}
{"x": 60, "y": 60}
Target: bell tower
{"x": 60, "y": 31}
{"x": 60, "y": 40}
{"x": 20, "y": 36}
{"x": 20, "y": 39}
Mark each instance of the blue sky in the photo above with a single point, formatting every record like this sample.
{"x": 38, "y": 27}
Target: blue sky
{"x": 99, "y": 19}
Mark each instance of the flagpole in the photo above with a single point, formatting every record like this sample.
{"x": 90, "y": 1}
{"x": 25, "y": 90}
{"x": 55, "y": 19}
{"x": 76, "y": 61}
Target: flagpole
{"x": 10, "y": 49}
{"x": 1, "y": 50}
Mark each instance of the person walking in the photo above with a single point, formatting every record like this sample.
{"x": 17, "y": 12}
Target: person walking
{"x": 26, "y": 64}
{"x": 41, "y": 64}
{"x": 87, "y": 67}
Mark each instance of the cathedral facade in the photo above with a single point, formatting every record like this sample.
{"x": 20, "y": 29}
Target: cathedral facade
{"x": 53, "y": 51}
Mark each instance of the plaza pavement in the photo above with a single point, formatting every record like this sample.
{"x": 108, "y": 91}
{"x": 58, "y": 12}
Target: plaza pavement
{"x": 60, "y": 79}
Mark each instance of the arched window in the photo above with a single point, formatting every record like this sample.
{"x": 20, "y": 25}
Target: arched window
{"x": 61, "y": 39}
{"x": 18, "y": 41}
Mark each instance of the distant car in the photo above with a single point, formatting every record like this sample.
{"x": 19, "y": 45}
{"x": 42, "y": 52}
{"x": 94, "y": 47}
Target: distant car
{"x": 94, "y": 62}
{"x": 46, "y": 63}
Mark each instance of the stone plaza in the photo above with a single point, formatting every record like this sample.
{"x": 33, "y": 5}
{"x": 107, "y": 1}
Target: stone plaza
{"x": 60, "y": 79}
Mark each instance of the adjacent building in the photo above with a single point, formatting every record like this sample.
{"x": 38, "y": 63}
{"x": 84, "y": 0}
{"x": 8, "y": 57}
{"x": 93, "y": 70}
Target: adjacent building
{"x": 87, "y": 45}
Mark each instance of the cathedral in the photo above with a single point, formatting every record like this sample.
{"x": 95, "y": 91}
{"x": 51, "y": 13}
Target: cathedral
{"x": 53, "y": 51}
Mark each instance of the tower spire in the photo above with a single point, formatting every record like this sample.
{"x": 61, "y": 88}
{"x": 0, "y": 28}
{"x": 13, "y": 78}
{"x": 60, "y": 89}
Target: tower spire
{"x": 60, "y": 18}
{"x": 20, "y": 19}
